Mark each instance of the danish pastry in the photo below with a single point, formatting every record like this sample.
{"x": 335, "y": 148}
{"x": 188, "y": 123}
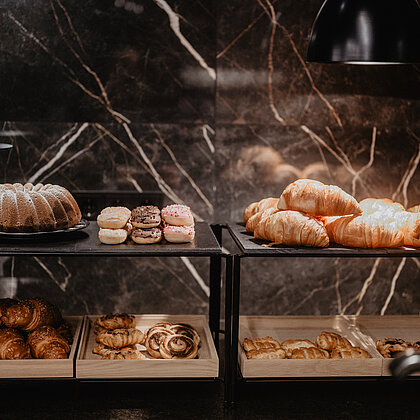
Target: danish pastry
{"x": 309, "y": 353}
{"x": 117, "y": 320}
{"x": 330, "y": 340}
{"x": 390, "y": 347}
{"x": 121, "y": 337}
{"x": 274, "y": 353}
{"x": 261, "y": 343}
{"x": 290, "y": 345}
{"x": 187, "y": 330}
{"x": 154, "y": 336}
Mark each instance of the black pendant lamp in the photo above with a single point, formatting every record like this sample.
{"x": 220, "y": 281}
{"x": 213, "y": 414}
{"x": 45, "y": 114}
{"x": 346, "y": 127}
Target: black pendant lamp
{"x": 366, "y": 32}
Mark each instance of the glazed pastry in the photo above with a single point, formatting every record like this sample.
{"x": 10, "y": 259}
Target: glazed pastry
{"x": 390, "y": 347}
{"x": 117, "y": 320}
{"x": 146, "y": 236}
{"x": 46, "y": 343}
{"x": 275, "y": 353}
{"x": 350, "y": 353}
{"x": 145, "y": 217}
{"x": 154, "y": 336}
{"x": 4, "y": 304}
{"x": 113, "y": 218}
{"x": 309, "y": 353}
{"x": 112, "y": 236}
{"x": 259, "y": 206}
{"x": 30, "y": 314}
{"x": 186, "y": 330}
{"x": 315, "y": 198}
{"x": 120, "y": 337}
{"x": 13, "y": 345}
{"x": 177, "y": 215}
{"x": 253, "y": 221}
{"x": 178, "y": 346}
{"x": 330, "y": 340}
{"x": 290, "y": 345}
{"x": 179, "y": 234}
{"x": 292, "y": 228}
{"x": 261, "y": 343}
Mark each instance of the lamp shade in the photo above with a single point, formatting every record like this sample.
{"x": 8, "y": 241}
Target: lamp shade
{"x": 366, "y": 32}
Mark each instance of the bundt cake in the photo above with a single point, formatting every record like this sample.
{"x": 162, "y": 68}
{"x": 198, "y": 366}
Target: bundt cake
{"x": 29, "y": 208}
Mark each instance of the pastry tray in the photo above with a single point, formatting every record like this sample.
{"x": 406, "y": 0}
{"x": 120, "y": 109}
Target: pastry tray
{"x": 285, "y": 327}
{"x": 252, "y": 247}
{"x": 91, "y": 366}
{"x": 45, "y": 368}
{"x": 373, "y": 328}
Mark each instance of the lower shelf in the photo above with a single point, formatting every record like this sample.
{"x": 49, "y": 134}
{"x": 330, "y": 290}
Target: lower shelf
{"x": 361, "y": 331}
{"x": 90, "y": 366}
{"x": 44, "y": 368}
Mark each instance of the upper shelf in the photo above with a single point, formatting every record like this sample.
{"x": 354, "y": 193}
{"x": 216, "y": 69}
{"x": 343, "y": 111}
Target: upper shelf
{"x": 86, "y": 243}
{"x": 252, "y": 247}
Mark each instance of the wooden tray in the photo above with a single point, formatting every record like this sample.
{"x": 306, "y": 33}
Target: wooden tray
{"x": 299, "y": 327}
{"x": 89, "y": 365}
{"x": 45, "y": 368}
{"x": 375, "y": 328}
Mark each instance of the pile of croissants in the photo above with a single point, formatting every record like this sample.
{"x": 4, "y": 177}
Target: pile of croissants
{"x": 33, "y": 328}
{"x": 310, "y": 213}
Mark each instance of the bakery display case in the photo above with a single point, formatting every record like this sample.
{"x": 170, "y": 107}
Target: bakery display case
{"x": 361, "y": 331}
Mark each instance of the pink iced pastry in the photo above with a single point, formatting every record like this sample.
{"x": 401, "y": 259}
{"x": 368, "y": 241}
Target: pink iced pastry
{"x": 178, "y": 215}
{"x": 179, "y": 234}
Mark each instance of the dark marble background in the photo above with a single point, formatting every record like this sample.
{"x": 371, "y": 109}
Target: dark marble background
{"x": 211, "y": 103}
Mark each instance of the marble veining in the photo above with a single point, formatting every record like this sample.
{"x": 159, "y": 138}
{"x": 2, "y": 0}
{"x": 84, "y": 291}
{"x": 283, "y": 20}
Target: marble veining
{"x": 212, "y": 104}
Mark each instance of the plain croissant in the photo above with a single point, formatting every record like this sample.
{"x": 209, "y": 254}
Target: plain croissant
{"x": 4, "y": 304}
{"x": 253, "y": 221}
{"x": 46, "y": 343}
{"x": 365, "y": 231}
{"x": 292, "y": 228}
{"x": 13, "y": 345}
{"x": 316, "y": 198}
{"x": 30, "y": 314}
{"x": 261, "y": 205}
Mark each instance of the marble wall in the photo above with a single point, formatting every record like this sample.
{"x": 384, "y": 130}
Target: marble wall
{"x": 213, "y": 104}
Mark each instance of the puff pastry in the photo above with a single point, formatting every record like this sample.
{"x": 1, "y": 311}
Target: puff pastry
{"x": 261, "y": 205}
{"x": 261, "y": 343}
{"x": 253, "y": 221}
{"x": 315, "y": 198}
{"x": 117, "y": 320}
{"x": 390, "y": 347}
{"x": 309, "y": 353}
{"x": 46, "y": 343}
{"x": 290, "y": 345}
{"x": 330, "y": 340}
{"x": 121, "y": 337}
{"x": 270, "y": 353}
{"x": 13, "y": 345}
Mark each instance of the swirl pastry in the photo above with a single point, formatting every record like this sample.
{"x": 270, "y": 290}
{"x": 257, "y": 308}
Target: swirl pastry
{"x": 121, "y": 337}
{"x": 117, "y": 320}
{"x": 13, "y": 345}
{"x": 187, "y": 330}
{"x": 154, "y": 337}
{"x": 178, "y": 346}
{"x": 330, "y": 340}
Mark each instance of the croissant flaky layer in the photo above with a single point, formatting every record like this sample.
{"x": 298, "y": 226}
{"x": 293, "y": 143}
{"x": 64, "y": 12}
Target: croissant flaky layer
{"x": 46, "y": 343}
{"x": 292, "y": 228}
{"x": 261, "y": 205}
{"x": 316, "y": 198}
{"x": 366, "y": 231}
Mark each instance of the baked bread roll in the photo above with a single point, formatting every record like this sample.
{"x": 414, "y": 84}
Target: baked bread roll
{"x": 13, "y": 345}
{"x": 309, "y": 353}
{"x": 366, "y": 231}
{"x": 46, "y": 343}
{"x": 253, "y": 221}
{"x": 292, "y": 228}
{"x": 316, "y": 198}
{"x": 258, "y": 206}
{"x": 120, "y": 337}
{"x": 117, "y": 320}
{"x": 270, "y": 353}
{"x": 29, "y": 314}
{"x": 178, "y": 346}
{"x": 350, "y": 353}
{"x": 330, "y": 340}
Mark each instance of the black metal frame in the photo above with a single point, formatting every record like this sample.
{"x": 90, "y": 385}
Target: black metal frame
{"x": 233, "y": 375}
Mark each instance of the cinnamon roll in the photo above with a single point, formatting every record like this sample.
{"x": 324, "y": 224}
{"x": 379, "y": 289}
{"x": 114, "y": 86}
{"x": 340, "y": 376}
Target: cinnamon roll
{"x": 154, "y": 337}
{"x": 178, "y": 346}
{"x": 187, "y": 330}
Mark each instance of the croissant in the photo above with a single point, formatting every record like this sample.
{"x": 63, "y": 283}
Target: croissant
{"x": 30, "y": 314}
{"x": 253, "y": 221}
{"x": 414, "y": 209}
{"x": 4, "y": 304}
{"x": 261, "y": 205}
{"x": 372, "y": 205}
{"x": 13, "y": 345}
{"x": 313, "y": 197}
{"x": 365, "y": 231}
{"x": 292, "y": 228}
{"x": 46, "y": 343}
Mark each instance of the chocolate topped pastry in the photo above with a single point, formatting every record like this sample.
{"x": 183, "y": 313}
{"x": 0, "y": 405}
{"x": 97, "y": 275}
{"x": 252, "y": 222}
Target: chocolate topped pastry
{"x": 146, "y": 236}
{"x": 390, "y": 347}
{"x": 145, "y": 217}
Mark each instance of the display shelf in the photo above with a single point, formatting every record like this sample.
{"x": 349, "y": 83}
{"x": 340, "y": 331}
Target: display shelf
{"x": 86, "y": 243}
{"x": 45, "y": 368}
{"x": 303, "y": 327}
{"x": 90, "y": 366}
{"x": 251, "y": 247}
